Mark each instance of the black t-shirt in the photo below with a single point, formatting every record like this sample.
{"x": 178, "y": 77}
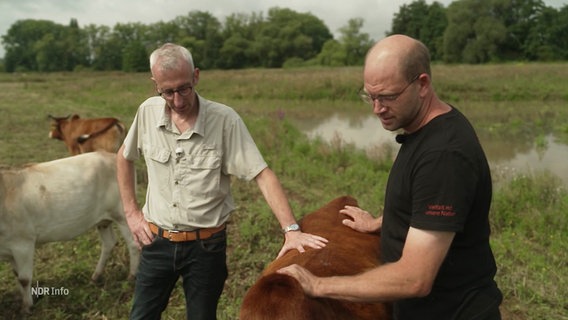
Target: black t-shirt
{"x": 441, "y": 181}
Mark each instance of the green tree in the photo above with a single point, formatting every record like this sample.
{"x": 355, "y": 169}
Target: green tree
{"x": 245, "y": 40}
{"x": 40, "y": 45}
{"x": 474, "y": 33}
{"x": 502, "y": 30}
{"x": 48, "y": 53}
{"x": 200, "y": 32}
{"x": 287, "y": 34}
{"x": 75, "y": 46}
{"x": 490, "y": 33}
{"x": 410, "y": 19}
{"x": 242, "y": 24}
{"x": 558, "y": 33}
{"x": 433, "y": 31}
{"x": 161, "y": 32}
{"x": 354, "y": 43}
{"x": 135, "y": 57}
{"x": 519, "y": 17}
{"x": 238, "y": 50}
{"x": 124, "y": 45}
{"x": 110, "y": 57}
{"x": 547, "y": 39}
{"x": 105, "y": 49}
{"x": 234, "y": 53}
{"x": 20, "y": 43}
{"x": 332, "y": 54}
{"x": 95, "y": 37}
{"x": 424, "y": 22}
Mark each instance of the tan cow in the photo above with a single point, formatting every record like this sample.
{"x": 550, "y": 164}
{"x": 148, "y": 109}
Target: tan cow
{"x": 87, "y": 135}
{"x": 58, "y": 201}
{"x": 280, "y": 297}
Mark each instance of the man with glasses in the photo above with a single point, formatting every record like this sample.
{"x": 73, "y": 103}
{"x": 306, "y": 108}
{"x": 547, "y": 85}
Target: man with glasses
{"x": 191, "y": 147}
{"x": 438, "y": 263}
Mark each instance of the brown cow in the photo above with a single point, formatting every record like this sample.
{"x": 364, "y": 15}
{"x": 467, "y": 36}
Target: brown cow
{"x": 280, "y": 297}
{"x": 87, "y": 135}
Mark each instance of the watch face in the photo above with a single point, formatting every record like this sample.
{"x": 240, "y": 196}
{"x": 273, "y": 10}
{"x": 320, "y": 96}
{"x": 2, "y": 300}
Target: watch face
{"x": 292, "y": 227}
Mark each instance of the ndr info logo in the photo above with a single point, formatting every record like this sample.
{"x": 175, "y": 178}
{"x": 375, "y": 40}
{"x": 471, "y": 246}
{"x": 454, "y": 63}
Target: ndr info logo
{"x": 49, "y": 291}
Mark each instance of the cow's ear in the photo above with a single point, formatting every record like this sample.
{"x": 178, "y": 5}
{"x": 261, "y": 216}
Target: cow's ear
{"x": 75, "y": 117}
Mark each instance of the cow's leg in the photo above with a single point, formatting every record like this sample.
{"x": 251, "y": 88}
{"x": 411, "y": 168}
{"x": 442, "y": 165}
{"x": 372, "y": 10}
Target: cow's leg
{"x": 23, "y": 265}
{"x": 133, "y": 251}
{"x": 108, "y": 241}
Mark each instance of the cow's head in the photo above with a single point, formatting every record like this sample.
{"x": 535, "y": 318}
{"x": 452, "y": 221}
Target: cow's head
{"x": 55, "y": 132}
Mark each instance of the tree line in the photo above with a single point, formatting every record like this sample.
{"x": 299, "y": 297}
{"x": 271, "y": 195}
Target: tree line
{"x": 467, "y": 31}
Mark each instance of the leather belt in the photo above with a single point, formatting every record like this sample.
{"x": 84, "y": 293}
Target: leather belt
{"x": 181, "y": 236}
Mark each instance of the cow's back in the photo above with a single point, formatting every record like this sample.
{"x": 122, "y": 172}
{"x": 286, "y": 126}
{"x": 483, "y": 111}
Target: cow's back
{"x": 49, "y": 196}
{"x": 82, "y": 135}
{"x": 276, "y": 296}
{"x": 108, "y": 139}
{"x": 58, "y": 201}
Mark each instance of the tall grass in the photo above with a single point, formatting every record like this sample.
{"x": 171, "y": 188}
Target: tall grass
{"x": 528, "y": 212}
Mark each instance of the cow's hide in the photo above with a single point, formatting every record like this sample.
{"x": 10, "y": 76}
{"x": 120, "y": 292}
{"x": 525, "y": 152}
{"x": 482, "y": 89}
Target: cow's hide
{"x": 89, "y": 134}
{"x": 280, "y": 297}
{"x": 57, "y": 201}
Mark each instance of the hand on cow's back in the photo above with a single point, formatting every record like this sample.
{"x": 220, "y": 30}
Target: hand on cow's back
{"x": 361, "y": 220}
{"x": 347, "y": 252}
{"x": 300, "y": 241}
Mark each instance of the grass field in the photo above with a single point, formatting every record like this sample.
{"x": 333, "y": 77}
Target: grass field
{"x": 529, "y": 212}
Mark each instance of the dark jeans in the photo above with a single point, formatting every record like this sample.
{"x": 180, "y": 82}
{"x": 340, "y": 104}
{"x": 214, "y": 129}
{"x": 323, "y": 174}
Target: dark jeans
{"x": 202, "y": 266}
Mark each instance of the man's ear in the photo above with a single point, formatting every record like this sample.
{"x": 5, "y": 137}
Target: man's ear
{"x": 195, "y": 76}
{"x": 155, "y": 83}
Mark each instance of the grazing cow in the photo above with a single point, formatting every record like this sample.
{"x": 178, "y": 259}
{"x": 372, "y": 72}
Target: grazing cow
{"x": 58, "y": 201}
{"x": 280, "y": 297}
{"x": 87, "y": 135}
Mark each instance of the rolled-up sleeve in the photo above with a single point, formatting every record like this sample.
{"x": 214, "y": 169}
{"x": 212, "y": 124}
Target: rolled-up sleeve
{"x": 242, "y": 157}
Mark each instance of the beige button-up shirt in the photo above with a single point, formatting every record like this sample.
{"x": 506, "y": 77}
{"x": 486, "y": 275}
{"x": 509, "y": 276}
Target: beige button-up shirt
{"x": 189, "y": 172}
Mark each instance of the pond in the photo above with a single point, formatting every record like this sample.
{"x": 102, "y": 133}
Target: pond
{"x": 507, "y": 156}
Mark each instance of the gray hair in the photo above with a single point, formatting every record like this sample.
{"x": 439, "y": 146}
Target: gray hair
{"x": 170, "y": 55}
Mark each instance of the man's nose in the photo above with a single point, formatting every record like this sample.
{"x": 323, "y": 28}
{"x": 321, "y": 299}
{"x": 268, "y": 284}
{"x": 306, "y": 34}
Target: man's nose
{"x": 378, "y": 106}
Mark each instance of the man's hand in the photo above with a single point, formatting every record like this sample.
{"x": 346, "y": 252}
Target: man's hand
{"x": 139, "y": 228}
{"x": 306, "y": 279}
{"x": 361, "y": 220}
{"x": 298, "y": 240}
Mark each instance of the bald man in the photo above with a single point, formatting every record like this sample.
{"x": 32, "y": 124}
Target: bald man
{"x": 438, "y": 263}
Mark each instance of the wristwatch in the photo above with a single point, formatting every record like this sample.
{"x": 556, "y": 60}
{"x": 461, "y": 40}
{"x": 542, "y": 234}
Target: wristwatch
{"x": 292, "y": 227}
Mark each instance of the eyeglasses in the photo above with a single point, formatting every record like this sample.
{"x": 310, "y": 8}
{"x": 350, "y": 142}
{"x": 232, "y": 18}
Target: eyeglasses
{"x": 370, "y": 99}
{"x": 183, "y": 91}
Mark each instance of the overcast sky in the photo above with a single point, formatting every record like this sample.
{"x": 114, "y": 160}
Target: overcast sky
{"x": 377, "y": 14}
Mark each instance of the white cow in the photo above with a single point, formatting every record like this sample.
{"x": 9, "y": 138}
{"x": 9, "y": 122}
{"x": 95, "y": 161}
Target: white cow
{"x": 57, "y": 201}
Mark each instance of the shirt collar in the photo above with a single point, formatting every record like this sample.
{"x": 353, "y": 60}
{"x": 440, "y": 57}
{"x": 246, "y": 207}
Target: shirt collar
{"x": 199, "y": 128}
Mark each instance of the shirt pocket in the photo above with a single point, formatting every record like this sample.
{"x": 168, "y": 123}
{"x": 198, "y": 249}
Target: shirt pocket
{"x": 200, "y": 174}
{"x": 158, "y": 167}
{"x": 159, "y": 155}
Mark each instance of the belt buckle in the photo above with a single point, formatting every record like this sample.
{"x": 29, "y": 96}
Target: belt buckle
{"x": 171, "y": 233}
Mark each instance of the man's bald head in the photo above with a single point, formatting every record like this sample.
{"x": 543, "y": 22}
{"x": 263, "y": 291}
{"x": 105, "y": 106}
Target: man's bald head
{"x": 397, "y": 56}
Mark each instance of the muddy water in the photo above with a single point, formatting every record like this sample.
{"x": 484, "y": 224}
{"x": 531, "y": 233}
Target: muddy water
{"x": 507, "y": 157}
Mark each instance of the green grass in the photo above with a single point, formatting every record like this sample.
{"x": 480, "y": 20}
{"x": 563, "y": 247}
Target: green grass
{"x": 523, "y": 101}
